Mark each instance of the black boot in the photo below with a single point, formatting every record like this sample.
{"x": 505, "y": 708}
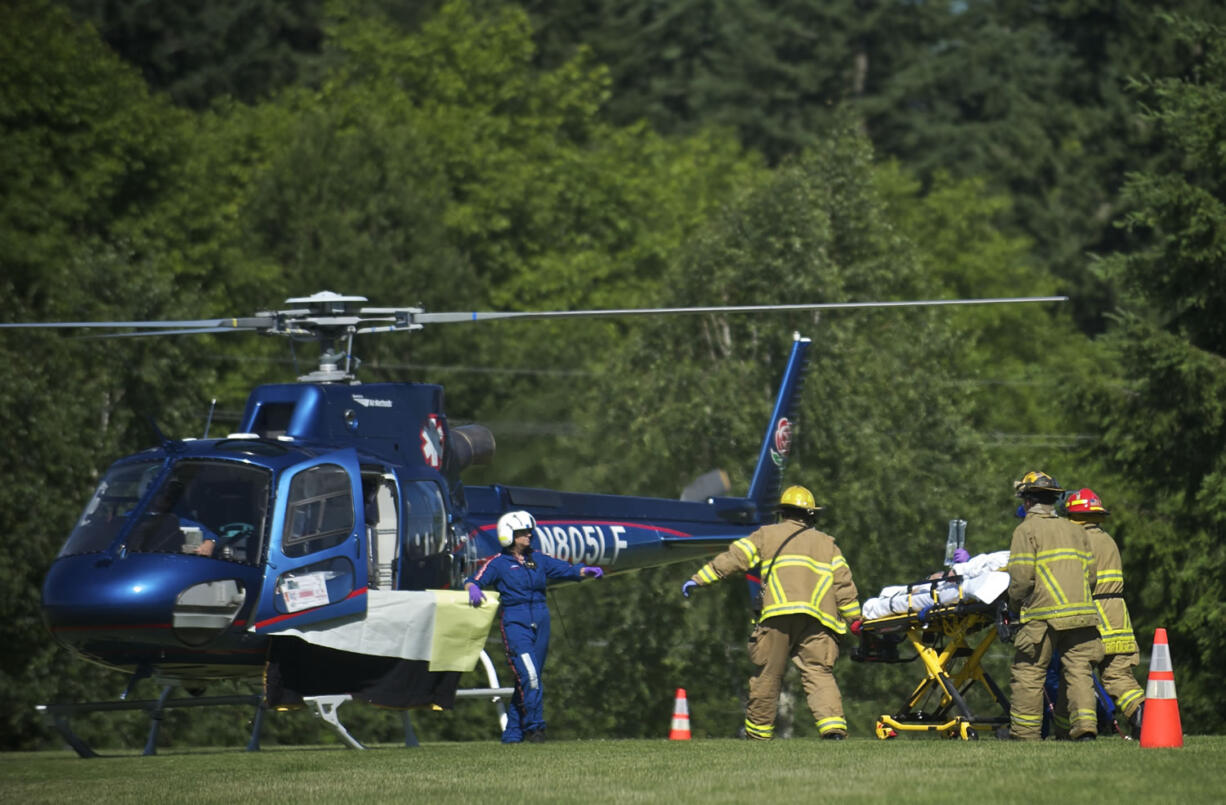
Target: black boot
{"x": 1135, "y": 721}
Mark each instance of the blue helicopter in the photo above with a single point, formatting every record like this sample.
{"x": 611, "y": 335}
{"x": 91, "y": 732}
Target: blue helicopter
{"x": 196, "y": 560}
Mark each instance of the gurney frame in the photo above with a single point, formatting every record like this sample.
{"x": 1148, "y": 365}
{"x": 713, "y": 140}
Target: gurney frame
{"x": 941, "y": 637}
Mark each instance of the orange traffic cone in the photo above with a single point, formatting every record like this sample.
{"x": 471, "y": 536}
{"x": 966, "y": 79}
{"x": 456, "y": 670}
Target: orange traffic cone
{"x": 1160, "y": 721}
{"x": 681, "y": 718}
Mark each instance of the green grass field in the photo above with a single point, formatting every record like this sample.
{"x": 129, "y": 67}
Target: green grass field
{"x": 907, "y": 770}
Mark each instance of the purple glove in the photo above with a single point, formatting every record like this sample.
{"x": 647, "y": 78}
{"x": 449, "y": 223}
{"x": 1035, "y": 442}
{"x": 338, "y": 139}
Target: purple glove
{"x": 591, "y": 572}
{"x": 475, "y": 596}
{"x": 689, "y": 585}
{"x": 962, "y": 555}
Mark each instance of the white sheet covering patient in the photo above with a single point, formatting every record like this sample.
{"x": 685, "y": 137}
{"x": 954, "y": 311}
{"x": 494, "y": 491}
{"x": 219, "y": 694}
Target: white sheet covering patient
{"x": 983, "y": 578}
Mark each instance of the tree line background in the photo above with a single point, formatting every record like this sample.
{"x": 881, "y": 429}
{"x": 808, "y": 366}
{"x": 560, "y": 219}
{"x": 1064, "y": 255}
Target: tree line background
{"x": 196, "y": 160}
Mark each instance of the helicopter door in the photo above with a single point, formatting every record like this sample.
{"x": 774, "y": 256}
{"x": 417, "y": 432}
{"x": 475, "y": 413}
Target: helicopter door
{"x": 316, "y": 569}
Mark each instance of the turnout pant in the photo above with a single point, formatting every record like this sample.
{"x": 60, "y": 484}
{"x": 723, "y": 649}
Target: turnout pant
{"x": 1080, "y": 649}
{"x": 527, "y": 645}
{"x": 1120, "y": 683}
{"x": 1115, "y": 673}
{"x": 813, "y": 649}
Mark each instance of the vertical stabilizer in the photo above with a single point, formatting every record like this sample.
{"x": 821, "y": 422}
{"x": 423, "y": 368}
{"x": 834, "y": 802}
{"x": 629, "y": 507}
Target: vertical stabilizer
{"x": 777, "y": 443}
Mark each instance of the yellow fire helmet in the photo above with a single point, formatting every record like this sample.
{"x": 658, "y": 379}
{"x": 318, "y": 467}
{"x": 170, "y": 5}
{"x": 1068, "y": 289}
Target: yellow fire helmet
{"x": 800, "y": 498}
{"x": 1036, "y": 481}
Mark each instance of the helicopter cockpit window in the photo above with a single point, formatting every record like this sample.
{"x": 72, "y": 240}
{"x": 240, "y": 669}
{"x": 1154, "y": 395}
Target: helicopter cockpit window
{"x": 210, "y": 508}
{"x": 320, "y": 510}
{"x": 425, "y": 520}
{"x": 107, "y": 511}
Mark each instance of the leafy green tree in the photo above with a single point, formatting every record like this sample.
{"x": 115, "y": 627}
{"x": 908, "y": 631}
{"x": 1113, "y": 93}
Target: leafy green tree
{"x": 198, "y": 51}
{"x": 688, "y": 394}
{"x": 441, "y": 167}
{"x": 1028, "y": 97}
{"x": 1162, "y": 423}
{"x": 1014, "y": 359}
{"x": 443, "y": 163}
{"x": 87, "y": 160}
{"x": 773, "y": 72}
{"x": 994, "y": 101}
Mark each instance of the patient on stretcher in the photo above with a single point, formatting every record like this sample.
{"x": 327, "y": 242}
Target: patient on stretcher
{"x": 981, "y": 578}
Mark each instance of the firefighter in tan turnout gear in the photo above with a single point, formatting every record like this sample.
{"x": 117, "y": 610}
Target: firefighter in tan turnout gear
{"x": 1121, "y": 654}
{"x": 1051, "y": 574}
{"x": 808, "y": 597}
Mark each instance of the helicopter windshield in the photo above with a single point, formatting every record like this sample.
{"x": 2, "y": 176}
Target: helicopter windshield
{"x": 107, "y": 511}
{"x": 207, "y": 507}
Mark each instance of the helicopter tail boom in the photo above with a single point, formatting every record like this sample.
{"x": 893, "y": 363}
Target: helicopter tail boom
{"x": 626, "y": 533}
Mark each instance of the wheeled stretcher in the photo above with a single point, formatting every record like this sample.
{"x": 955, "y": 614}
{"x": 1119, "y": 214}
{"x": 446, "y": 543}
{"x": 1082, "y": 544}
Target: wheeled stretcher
{"x": 950, "y": 630}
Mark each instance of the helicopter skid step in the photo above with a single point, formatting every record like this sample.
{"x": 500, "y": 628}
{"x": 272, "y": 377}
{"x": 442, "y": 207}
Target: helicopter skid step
{"x": 328, "y": 708}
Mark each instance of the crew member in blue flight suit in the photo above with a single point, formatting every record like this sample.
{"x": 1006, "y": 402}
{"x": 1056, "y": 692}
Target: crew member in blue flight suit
{"x": 520, "y": 575}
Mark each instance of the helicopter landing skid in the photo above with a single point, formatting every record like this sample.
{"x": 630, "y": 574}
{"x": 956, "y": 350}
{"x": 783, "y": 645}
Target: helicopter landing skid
{"x": 324, "y": 707}
{"x": 59, "y": 715}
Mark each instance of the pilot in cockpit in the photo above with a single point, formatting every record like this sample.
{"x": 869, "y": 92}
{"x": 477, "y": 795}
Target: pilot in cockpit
{"x": 159, "y": 529}
{"x": 238, "y": 515}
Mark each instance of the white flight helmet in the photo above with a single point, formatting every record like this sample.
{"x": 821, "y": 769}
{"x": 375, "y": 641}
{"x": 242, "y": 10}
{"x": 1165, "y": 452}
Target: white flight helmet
{"x": 511, "y": 522}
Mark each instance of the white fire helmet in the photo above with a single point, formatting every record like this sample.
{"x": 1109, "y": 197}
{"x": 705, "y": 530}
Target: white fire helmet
{"x": 511, "y": 522}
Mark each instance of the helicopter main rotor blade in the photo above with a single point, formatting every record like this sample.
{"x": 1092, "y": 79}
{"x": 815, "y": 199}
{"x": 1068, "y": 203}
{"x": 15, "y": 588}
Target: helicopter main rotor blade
{"x": 332, "y": 318}
{"x": 448, "y": 318}
{"x": 187, "y": 331}
{"x": 202, "y": 325}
